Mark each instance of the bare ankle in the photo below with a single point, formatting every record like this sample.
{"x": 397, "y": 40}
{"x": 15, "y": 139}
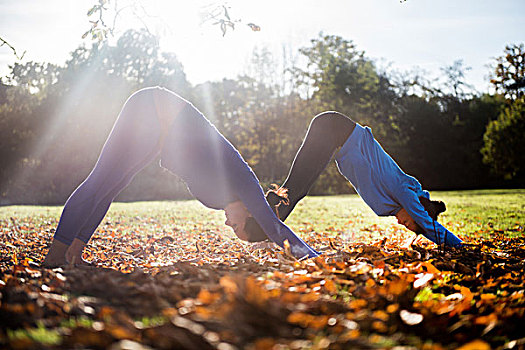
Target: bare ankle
{"x": 56, "y": 255}
{"x": 74, "y": 253}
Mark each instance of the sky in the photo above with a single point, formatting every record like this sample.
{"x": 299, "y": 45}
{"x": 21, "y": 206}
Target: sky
{"x": 422, "y": 34}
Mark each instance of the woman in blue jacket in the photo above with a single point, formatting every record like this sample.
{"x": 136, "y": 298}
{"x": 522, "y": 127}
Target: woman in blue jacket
{"x": 376, "y": 177}
{"x": 156, "y": 121}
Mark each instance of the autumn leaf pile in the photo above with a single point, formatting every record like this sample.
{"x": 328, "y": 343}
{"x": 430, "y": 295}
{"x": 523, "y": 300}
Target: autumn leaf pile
{"x": 202, "y": 289}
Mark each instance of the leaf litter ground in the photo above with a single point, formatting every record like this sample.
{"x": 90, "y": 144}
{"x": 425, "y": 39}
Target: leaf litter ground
{"x": 170, "y": 275}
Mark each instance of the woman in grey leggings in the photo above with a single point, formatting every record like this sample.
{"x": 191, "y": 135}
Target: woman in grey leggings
{"x": 156, "y": 121}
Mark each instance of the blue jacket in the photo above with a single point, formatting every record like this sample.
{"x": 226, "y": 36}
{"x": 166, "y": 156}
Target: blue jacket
{"x": 384, "y": 186}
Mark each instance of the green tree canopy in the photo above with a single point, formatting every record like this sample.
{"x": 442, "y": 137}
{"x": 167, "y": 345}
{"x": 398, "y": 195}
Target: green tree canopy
{"x": 509, "y": 75}
{"x": 504, "y": 141}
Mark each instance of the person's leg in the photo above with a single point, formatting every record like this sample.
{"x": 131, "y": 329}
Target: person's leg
{"x": 132, "y": 144}
{"x": 74, "y": 252}
{"x": 327, "y": 132}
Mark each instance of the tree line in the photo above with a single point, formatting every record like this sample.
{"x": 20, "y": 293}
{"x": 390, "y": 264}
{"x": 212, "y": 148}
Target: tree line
{"x": 54, "y": 119}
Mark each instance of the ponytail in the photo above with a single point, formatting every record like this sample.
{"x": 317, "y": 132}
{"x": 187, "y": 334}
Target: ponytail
{"x": 433, "y": 208}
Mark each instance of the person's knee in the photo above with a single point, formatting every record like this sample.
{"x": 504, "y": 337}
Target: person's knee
{"x": 332, "y": 125}
{"x": 167, "y": 103}
{"x": 141, "y": 101}
{"x": 331, "y": 122}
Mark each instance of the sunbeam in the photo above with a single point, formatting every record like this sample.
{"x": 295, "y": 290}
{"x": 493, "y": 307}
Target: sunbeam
{"x": 56, "y": 120}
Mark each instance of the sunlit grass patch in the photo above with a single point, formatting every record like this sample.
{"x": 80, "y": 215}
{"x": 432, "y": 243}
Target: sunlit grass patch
{"x": 484, "y": 212}
{"x": 39, "y": 334}
{"x": 477, "y": 212}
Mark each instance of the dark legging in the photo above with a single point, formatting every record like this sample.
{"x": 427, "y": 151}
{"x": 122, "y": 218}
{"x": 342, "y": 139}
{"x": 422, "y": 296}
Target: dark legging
{"x": 327, "y": 132}
{"x": 134, "y": 142}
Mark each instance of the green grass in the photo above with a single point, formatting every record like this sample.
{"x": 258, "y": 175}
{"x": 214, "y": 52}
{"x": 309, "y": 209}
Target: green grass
{"x": 39, "y": 334}
{"x": 146, "y": 322}
{"x": 478, "y": 212}
{"x": 485, "y": 210}
{"x": 74, "y": 322}
{"x": 475, "y": 212}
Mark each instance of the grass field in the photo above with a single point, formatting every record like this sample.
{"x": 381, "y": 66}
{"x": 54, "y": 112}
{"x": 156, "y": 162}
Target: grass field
{"x": 477, "y": 213}
{"x": 171, "y": 275}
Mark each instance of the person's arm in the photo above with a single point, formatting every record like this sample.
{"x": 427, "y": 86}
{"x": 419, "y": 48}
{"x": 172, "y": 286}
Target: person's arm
{"x": 432, "y": 229}
{"x": 251, "y": 194}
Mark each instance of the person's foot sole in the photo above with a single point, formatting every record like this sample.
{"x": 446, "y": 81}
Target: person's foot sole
{"x": 51, "y": 264}
{"x": 79, "y": 262}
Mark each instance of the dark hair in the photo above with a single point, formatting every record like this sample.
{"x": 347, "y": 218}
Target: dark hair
{"x": 433, "y": 208}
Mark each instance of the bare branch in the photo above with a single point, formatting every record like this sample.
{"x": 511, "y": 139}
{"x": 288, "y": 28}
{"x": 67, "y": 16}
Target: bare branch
{"x": 218, "y": 13}
{"x": 4, "y": 42}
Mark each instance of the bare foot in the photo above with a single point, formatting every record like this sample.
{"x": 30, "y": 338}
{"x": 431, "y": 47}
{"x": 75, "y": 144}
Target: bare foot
{"x": 78, "y": 262}
{"x": 52, "y": 263}
{"x": 56, "y": 256}
{"x": 74, "y": 254}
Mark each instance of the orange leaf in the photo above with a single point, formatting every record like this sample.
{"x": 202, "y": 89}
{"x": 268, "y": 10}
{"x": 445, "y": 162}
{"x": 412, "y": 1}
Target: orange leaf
{"x": 485, "y": 320}
{"x": 430, "y": 268}
{"x": 379, "y": 326}
{"x": 330, "y": 286}
{"x": 264, "y": 344}
{"x": 391, "y": 308}
{"x": 467, "y": 294}
{"x": 228, "y": 284}
{"x": 299, "y": 318}
{"x": 380, "y": 314}
{"x": 477, "y": 344}
{"x": 350, "y": 335}
{"x": 397, "y": 287}
{"x": 357, "y": 304}
{"x": 487, "y": 297}
{"x": 206, "y": 297}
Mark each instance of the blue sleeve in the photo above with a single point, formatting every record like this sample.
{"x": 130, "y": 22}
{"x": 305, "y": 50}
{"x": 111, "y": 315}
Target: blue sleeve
{"x": 249, "y": 191}
{"x": 433, "y": 230}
